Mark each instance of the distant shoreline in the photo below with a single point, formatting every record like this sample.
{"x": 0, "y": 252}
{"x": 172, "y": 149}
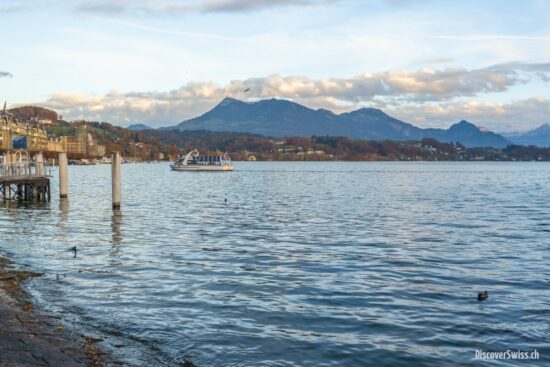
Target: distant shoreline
{"x": 394, "y": 160}
{"x": 359, "y": 161}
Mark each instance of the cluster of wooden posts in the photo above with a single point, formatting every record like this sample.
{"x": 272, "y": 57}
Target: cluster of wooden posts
{"x": 28, "y": 180}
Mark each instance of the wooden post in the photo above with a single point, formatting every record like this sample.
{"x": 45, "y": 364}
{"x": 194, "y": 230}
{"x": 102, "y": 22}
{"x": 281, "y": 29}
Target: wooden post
{"x": 115, "y": 173}
{"x": 63, "y": 176}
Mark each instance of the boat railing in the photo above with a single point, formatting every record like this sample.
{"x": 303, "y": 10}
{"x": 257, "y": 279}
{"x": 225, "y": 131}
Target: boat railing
{"x": 194, "y": 159}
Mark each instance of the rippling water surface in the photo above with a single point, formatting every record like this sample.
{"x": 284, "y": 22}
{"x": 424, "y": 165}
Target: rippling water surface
{"x": 308, "y": 264}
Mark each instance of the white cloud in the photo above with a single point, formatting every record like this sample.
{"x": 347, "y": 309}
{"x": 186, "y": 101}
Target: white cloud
{"x": 519, "y": 115}
{"x": 114, "y": 7}
{"x": 428, "y": 97}
{"x": 395, "y": 86}
{"x": 493, "y": 37}
{"x": 245, "y": 5}
{"x": 8, "y": 9}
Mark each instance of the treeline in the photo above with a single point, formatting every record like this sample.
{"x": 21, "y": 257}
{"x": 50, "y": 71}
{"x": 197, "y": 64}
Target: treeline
{"x": 29, "y": 113}
{"x": 163, "y": 144}
{"x": 215, "y": 141}
{"x": 244, "y": 146}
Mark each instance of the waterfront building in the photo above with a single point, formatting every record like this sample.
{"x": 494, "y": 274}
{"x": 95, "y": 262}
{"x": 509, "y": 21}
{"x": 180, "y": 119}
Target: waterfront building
{"x": 32, "y": 137}
{"x": 15, "y": 134}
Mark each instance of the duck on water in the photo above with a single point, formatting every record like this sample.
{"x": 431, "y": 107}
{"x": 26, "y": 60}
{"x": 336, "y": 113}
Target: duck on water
{"x": 193, "y": 161}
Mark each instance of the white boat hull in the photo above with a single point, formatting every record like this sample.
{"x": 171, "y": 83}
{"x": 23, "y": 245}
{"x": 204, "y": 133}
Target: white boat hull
{"x": 193, "y": 162}
{"x": 199, "y": 168}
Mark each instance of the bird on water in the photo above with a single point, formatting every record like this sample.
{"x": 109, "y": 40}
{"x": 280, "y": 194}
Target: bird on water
{"x": 482, "y": 296}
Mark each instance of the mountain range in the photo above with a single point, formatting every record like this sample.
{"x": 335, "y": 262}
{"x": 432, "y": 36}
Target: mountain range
{"x": 539, "y": 136}
{"x": 283, "y": 118}
{"x": 280, "y": 118}
{"x": 139, "y": 127}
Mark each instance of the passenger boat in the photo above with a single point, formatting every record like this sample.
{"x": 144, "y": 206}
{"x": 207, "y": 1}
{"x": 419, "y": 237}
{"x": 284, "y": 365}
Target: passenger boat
{"x": 193, "y": 161}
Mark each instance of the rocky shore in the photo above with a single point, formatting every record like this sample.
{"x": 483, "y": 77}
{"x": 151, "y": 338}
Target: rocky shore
{"x": 29, "y": 338}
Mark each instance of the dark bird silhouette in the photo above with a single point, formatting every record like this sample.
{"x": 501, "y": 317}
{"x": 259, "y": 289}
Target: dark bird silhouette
{"x": 482, "y": 296}
{"x": 74, "y": 250}
{"x": 225, "y": 200}
{"x": 246, "y": 90}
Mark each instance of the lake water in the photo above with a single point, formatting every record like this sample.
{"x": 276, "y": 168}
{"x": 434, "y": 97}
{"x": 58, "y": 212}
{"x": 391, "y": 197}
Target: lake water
{"x": 307, "y": 264}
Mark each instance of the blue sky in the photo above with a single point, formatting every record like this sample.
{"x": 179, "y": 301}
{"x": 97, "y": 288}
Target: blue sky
{"x": 159, "y": 62}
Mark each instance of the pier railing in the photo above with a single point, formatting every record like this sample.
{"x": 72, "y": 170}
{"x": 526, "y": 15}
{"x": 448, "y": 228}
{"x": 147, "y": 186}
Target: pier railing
{"x": 23, "y": 177}
{"x": 23, "y": 170}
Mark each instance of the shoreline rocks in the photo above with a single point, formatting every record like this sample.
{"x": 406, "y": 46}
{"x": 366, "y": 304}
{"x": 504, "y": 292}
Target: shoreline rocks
{"x": 28, "y": 337}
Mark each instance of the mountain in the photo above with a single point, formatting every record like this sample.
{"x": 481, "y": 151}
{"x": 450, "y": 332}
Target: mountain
{"x": 274, "y": 117}
{"x": 139, "y": 127}
{"x": 374, "y": 124}
{"x": 468, "y": 134}
{"x": 279, "y": 118}
{"x": 539, "y": 136}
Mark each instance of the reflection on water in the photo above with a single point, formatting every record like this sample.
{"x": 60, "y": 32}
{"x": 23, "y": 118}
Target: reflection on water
{"x": 116, "y": 221}
{"x": 63, "y": 211}
{"x": 115, "y": 251}
{"x": 284, "y": 264}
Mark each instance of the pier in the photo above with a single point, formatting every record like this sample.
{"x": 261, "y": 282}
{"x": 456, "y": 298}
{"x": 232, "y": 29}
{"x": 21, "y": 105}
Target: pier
{"x": 24, "y": 178}
{"x": 28, "y": 179}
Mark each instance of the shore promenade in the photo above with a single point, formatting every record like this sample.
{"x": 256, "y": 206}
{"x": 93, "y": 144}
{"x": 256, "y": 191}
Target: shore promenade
{"x": 28, "y": 338}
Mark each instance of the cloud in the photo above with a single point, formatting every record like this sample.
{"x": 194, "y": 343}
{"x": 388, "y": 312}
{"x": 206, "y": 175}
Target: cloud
{"x": 519, "y": 115}
{"x": 5, "y": 74}
{"x": 404, "y": 3}
{"x": 215, "y": 6}
{"x": 114, "y": 7}
{"x": 107, "y": 7}
{"x": 9, "y": 9}
{"x": 541, "y": 67}
{"x": 16, "y": 6}
{"x": 428, "y": 92}
{"x": 397, "y": 86}
{"x": 493, "y": 37}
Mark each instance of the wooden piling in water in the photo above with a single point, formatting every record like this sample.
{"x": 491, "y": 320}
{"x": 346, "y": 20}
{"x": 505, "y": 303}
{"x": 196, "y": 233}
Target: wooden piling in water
{"x": 115, "y": 173}
{"x": 63, "y": 175}
{"x": 6, "y": 191}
